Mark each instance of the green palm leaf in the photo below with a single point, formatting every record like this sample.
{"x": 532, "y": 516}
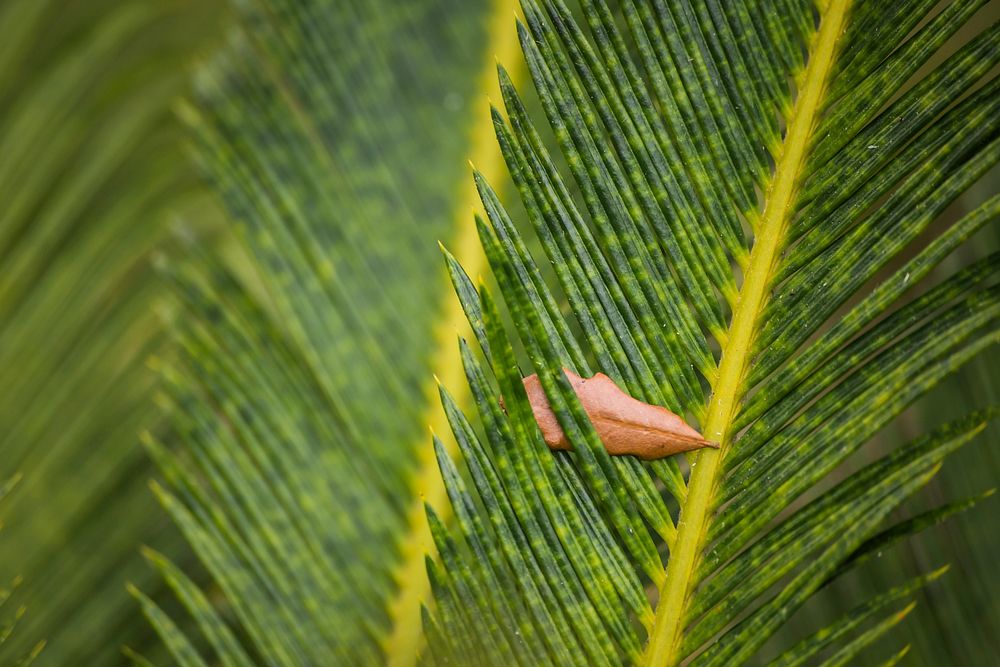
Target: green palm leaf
{"x": 89, "y": 175}
{"x": 11, "y": 620}
{"x": 300, "y": 381}
{"x": 734, "y": 202}
{"x": 857, "y": 176}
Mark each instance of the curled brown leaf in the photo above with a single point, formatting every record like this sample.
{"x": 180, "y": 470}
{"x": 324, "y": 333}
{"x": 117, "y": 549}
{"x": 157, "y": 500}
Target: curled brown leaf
{"x": 626, "y": 425}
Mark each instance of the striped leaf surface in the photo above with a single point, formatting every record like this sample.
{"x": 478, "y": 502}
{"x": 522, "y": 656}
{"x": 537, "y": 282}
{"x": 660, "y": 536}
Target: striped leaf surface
{"x": 742, "y": 200}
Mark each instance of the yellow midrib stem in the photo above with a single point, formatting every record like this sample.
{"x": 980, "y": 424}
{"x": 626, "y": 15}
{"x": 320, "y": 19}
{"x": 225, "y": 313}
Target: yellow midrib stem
{"x": 405, "y": 639}
{"x": 665, "y": 637}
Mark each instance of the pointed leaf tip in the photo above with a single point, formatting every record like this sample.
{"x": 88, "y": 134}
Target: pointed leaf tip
{"x": 625, "y": 425}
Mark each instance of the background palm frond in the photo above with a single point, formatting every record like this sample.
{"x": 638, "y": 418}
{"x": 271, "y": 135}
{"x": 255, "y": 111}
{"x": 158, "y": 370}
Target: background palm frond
{"x": 10, "y": 619}
{"x": 89, "y": 171}
{"x": 298, "y": 391}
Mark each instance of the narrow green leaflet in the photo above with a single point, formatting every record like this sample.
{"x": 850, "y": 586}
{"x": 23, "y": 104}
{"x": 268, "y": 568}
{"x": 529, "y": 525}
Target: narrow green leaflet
{"x": 815, "y": 644}
{"x": 733, "y": 269}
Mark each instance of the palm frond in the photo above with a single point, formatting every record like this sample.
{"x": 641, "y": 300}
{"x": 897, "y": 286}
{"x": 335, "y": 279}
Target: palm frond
{"x": 89, "y": 175}
{"x": 334, "y": 135}
{"x": 821, "y": 349}
{"x": 10, "y": 620}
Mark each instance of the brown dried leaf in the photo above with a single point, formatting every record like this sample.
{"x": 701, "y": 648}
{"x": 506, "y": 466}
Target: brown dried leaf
{"x": 624, "y": 424}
